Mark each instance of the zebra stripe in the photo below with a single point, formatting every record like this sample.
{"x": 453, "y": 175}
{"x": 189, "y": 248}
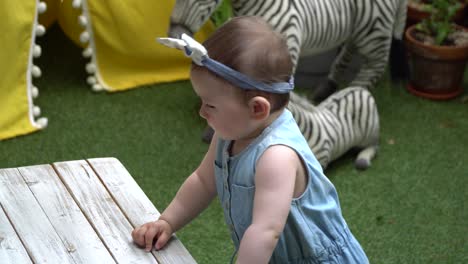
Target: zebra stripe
{"x": 345, "y": 120}
{"x": 365, "y": 27}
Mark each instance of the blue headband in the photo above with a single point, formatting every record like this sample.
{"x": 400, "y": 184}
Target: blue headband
{"x": 199, "y": 55}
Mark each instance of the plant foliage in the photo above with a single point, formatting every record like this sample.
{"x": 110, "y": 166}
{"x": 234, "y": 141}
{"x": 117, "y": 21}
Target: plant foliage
{"x": 439, "y": 24}
{"x": 222, "y": 13}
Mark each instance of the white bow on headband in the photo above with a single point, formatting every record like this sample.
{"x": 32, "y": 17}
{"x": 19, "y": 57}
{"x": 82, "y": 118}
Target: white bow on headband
{"x": 191, "y": 47}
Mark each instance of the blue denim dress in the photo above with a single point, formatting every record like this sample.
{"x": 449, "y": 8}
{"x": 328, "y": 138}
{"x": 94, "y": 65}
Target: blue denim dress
{"x": 315, "y": 231}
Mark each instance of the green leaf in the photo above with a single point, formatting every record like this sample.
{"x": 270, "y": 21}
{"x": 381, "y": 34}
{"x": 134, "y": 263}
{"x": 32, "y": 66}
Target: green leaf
{"x": 222, "y": 13}
{"x": 441, "y": 35}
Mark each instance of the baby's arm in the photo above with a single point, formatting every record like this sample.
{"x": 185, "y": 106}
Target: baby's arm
{"x": 193, "y": 197}
{"x": 274, "y": 187}
{"x": 195, "y": 194}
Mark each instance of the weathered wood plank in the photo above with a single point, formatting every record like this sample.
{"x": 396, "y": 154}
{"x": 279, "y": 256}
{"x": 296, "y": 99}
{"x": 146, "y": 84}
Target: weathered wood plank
{"x": 71, "y": 225}
{"x": 136, "y": 205}
{"x": 102, "y": 211}
{"x": 31, "y": 224}
{"x": 11, "y": 249}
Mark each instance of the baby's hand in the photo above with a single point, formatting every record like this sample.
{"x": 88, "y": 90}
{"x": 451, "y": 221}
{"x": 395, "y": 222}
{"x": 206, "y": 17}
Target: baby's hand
{"x": 146, "y": 234}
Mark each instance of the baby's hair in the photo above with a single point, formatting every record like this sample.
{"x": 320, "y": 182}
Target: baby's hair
{"x": 248, "y": 44}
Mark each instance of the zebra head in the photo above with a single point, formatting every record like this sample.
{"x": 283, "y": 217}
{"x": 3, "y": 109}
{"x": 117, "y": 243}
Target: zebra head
{"x": 188, "y": 16}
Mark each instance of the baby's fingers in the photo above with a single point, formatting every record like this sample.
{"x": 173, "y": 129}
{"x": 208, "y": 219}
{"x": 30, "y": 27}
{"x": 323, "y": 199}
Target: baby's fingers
{"x": 138, "y": 235}
{"x": 162, "y": 240}
{"x": 150, "y": 234}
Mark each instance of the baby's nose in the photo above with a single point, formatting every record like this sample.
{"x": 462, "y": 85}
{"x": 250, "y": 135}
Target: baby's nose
{"x": 202, "y": 112}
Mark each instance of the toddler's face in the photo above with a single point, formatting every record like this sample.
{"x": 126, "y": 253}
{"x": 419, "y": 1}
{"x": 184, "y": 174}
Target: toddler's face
{"x": 223, "y": 107}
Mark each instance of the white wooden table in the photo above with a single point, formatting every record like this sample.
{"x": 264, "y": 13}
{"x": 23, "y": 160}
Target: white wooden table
{"x": 79, "y": 211}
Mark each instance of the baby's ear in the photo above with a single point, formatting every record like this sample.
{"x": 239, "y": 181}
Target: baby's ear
{"x": 259, "y": 107}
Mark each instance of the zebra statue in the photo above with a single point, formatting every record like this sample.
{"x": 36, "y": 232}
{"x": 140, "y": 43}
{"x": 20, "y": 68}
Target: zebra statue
{"x": 365, "y": 27}
{"x": 347, "y": 119}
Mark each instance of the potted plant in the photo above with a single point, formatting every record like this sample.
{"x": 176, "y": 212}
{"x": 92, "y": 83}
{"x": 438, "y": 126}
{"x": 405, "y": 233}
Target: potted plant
{"x": 417, "y": 10}
{"x": 437, "y": 52}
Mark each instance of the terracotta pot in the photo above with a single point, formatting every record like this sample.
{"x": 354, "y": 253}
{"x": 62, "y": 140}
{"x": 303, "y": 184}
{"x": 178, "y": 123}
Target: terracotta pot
{"x": 436, "y": 72}
{"x": 414, "y": 15}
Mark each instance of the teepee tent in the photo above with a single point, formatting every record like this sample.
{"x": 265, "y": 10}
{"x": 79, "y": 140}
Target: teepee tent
{"x": 118, "y": 38}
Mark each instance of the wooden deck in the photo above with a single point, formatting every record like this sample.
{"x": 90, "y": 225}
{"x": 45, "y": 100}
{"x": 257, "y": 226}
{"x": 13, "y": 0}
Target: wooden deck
{"x": 76, "y": 212}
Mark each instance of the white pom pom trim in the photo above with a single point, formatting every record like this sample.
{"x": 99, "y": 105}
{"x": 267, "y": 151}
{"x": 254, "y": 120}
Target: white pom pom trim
{"x": 88, "y": 52}
{"x": 36, "y": 71}
{"x": 97, "y": 87}
{"x": 34, "y": 92}
{"x": 37, "y": 51}
{"x": 87, "y": 36}
{"x": 36, "y": 111}
{"x": 42, "y": 122}
{"x": 91, "y": 80}
{"x": 40, "y": 30}
{"x": 41, "y": 7}
{"x": 83, "y": 21}
{"x": 84, "y": 37}
{"x": 91, "y": 68}
{"x": 33, "y": 70}
{"x": 76, "y": 4}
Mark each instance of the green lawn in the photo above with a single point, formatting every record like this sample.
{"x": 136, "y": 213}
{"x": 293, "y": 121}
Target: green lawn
{"x": 409, "y": 207}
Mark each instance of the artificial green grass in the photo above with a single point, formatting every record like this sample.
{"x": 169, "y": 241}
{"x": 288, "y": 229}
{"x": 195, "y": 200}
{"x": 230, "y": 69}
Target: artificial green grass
{"x": 409, "y": 207}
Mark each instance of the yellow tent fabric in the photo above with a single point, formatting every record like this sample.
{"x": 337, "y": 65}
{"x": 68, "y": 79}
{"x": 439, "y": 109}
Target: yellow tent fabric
{"x": 118, "y": 37}
{"x": 17, "y": 38}
{"x": 122, "y": 38}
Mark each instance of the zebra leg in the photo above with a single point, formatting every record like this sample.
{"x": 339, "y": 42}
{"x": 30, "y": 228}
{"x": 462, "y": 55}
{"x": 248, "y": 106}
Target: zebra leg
{"x": 376, "y": 53}
{"x": 330, "y": 85}
{"x": 365, "y": 156}
{"x": 342, "y": 62}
